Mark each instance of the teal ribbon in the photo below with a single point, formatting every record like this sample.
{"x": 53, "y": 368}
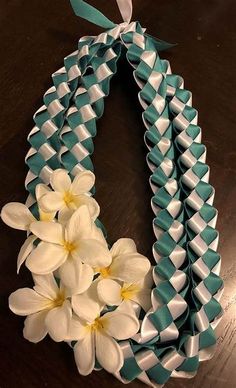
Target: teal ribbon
{"x": 92, "y": 14}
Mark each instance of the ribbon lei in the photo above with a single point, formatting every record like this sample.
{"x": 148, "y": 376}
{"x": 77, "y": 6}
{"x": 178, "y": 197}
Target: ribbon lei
{"x": 93, "y": 15}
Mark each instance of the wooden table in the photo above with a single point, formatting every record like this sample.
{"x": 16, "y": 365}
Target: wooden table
{"x": 35, "y": 36}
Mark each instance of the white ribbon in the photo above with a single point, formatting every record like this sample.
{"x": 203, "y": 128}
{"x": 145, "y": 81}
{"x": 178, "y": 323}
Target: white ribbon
{"x": 126, "y": 9}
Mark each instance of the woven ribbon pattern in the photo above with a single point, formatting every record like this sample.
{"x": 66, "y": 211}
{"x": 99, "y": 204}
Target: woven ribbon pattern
{"x": 178, "y": 332}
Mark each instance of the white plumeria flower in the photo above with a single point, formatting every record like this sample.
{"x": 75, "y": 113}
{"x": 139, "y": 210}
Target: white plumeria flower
{"x": 113, "y": 293}
{"x": 127, "y": 265}
{"x": 68, "y": 246}
{"x": 69, "y": 196}
{"x": 18, "y": 216}
{"x": 40, "y": 190}
{"x": 25, "y": 251}
{"x": 47, "y": 309}
{"x": 96, "y": 335}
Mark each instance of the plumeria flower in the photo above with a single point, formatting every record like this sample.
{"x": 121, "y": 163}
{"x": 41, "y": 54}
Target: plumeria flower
{"x": 127, "y": 265}
{"x": 96, "y": 335}
{"x": 18, "y": 216}
{"x": 47, "y": 309}
{"x": 113, "y": 293}
{"x": 40, "y": 190}
{"x": 69, "y": 196}
{"x": 126, "y": 278}
{"x": 74, "y": 248}
{"x": 25, "y": 251}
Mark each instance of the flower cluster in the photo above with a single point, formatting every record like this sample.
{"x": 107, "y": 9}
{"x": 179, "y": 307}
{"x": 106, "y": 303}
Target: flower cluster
{"x": 84, "y": 292}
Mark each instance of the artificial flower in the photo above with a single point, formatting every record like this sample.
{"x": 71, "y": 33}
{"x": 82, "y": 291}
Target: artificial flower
{"x": 127, "y": 264}
{"x": 18, "y": 216}
{"x": 69, "y": 196}
{"x": 96, "y": 335}
{"x": 25, "y": 251}
{"x": 73, "y": 248}
{"x": 40, "y": 190}
{"x": 113, "y": 293}
{"x": 47, "y": 309}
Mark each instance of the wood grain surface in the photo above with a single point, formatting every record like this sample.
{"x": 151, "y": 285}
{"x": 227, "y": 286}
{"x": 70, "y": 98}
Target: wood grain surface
{"x": 35, "y": 37}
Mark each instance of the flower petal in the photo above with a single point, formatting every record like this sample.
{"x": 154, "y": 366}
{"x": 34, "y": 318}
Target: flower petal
{"x": 77, "y": 330}
{"x": 129, "y": 268}
{"x": 108, "y": 353}
{"x": 40, "y": 190}
{"x": 76, "y": 276}
{"x": 143, "y": 298}
{"x": 126, "y": 307}
{"x": 35, "y": 329}
{"x": 26, "y": 301}
{"x": 83, "y": 182}
{"x": 123, "y": 246}
{"x": 96, "y": 234}
{"x": 93, "y": 252}
{"x": 46, "y": 258}
{"x": 79, "y": 225}
{"x": 47, "y": 217}
{"x": 120, "y": 325}
{"x": 147, "y": 281}
{"x": 64, "y": 214}
{"x": 51, "y": 202}
{"x": 93, "y": 206}
{"x": 60, "y": 180}
{"x": 17, "y": 215}
{"x": 46, "y": 286}
{"x": 84, "y": 352}
{"x": 91, "y": 293}
{"x": 109, "y": 292}
{"x": 87, "y": 309}
{"x": 58, "y": 320}
{"x": 51, "y": 232}
{"x": 25, "y": 250}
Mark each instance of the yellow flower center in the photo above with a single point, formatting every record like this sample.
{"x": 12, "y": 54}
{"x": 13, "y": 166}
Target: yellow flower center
{"x": 68, "y": 246}
{"x": 45, "y": 216}
{"x": 127, "y": 293}
{"x": 68, "y": 198}
{"x": 60, "y": 299}
{"x": 96, "y": 325}
{"x": 104, "y": 272}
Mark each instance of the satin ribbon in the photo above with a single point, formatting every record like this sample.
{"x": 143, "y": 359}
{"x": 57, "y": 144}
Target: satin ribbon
{"x": 93, "y": 15}
{"x": 88, "y": 12}
{"x": 126, "y": 9}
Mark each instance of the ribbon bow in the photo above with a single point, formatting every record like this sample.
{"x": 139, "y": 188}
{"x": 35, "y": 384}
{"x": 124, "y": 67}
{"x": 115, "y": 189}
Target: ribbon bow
{"x": 93, "y": 15}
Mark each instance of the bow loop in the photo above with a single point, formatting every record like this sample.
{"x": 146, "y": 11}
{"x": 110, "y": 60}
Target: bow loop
{"x": 93, "y": 15}
{"x": 126, "y": 9}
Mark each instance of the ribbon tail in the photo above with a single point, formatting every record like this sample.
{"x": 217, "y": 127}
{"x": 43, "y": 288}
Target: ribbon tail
{"x": 126, "y": 9}
{"x": 90, "y": 13}
{"x": 161, "y": 45}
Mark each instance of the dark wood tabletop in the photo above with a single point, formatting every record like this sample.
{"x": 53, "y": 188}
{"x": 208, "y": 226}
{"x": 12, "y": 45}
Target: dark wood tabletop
{"x": 35, "y": 37}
